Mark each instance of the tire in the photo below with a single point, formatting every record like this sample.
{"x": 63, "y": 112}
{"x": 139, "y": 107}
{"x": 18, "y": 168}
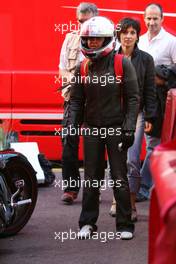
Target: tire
{"x": 18, "y": 169}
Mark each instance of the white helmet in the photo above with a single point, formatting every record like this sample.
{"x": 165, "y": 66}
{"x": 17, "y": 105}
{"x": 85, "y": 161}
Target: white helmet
{"x": 98, "y": 26}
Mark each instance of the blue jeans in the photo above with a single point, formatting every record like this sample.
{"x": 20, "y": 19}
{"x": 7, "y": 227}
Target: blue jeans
{"x": 133, "y": 158}
{"x": 146, "y": 177}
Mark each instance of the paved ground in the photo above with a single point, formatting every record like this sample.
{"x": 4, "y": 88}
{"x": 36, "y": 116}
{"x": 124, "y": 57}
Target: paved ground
{"x": 39, "y": 241}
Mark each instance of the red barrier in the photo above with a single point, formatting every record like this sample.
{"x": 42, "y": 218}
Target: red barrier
{"x": 162, "y": 219}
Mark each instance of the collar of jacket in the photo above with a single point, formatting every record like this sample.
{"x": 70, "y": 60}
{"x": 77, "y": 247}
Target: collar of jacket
{"x": 134, "y": 53}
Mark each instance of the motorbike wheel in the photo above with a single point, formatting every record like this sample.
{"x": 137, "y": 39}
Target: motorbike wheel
{"x": 20, "y": 170}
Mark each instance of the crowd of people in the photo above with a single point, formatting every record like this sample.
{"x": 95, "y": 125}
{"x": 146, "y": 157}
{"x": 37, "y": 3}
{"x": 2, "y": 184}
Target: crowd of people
{"x": 139, "y": 70}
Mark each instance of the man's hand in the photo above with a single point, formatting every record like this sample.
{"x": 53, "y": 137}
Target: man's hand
{"x": 66, "y": 93}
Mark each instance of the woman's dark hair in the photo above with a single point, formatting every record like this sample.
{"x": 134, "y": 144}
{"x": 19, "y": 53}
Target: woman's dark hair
{"x": 127, "y": 22}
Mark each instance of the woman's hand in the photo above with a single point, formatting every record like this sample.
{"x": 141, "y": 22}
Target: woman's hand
{"x": 148, "y": 127}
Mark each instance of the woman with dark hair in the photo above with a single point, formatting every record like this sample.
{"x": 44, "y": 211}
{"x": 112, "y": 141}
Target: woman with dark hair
{"x": 128, "y": 37}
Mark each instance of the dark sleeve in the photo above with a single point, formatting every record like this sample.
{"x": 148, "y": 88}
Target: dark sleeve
{"x": 77, "y": 99}
{"x": 131, "y": 95}
{"x": 149, "y": 90}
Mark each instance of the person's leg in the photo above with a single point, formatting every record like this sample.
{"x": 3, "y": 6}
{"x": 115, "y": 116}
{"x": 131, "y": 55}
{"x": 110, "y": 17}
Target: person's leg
{"x": 70, "y": 164}
{"x": 134, "y": 163}
{"x": 121, "y": 190}
{"x": 112, "y": 210}
{"x": 133, "y": 156}
{"x": 146, "y": 177}
{"x": 94, "y": 163}
{"x": 70, "y": 161}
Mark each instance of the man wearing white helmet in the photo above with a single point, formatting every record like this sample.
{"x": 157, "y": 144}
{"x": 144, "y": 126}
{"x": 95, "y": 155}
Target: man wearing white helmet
{"x": 108, "y": 106}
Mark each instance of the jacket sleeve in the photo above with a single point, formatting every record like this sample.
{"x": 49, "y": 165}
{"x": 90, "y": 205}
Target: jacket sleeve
{"x": 130, "y": 96}
{"x": 149, "y": 91}
{"x": 77, "y": 99}
{"x": 63, "y": 53}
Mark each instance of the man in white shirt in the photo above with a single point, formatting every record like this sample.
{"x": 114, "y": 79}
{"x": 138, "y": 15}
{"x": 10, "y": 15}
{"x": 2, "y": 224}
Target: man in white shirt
{"x": 162, "y": 46}
{"x": 70, "y": 56}
{"x": 157, "y": 41}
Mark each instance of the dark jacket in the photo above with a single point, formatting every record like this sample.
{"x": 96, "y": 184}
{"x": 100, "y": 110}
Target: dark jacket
{"x": 161, "y": 102}
{"x": 145, "y": 71}
{"x": 172, "y": 76}
{"x": 101, "y": 102}
{"x": 168, "y": 73}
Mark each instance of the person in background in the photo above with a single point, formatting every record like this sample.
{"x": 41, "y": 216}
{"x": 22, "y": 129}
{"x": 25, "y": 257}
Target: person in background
{"x": 102, "y": 108}
{"x": 161, "y": 45}
{"x": 128, "y": 37}
{"x": 165, "y": 79}
{"x": 69, "y": 57}
{"x": 161, "y": 81}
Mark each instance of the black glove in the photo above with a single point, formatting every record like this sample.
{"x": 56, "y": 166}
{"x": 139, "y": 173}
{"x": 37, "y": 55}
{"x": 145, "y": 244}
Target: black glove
{"x": 127, "y": 140}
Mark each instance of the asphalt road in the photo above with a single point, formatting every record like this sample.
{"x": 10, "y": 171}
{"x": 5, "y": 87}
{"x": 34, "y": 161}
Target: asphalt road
{"x": 52, "y": 221}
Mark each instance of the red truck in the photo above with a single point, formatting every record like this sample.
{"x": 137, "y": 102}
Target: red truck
{"x": 32, "y": 33}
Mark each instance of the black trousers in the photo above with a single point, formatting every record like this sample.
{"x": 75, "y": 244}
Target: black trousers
{"x": 70, "y": 164}
{"x": 70, "y": 161}
{"x": 94, "y": 154}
